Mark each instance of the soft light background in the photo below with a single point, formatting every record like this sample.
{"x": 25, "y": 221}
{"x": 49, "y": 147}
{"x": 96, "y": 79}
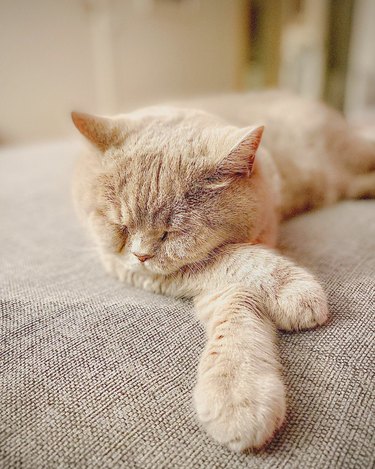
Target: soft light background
{"x": 108, "y": 56}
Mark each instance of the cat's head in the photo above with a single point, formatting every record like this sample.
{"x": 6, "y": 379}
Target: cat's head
{"x": 171, "y": 185}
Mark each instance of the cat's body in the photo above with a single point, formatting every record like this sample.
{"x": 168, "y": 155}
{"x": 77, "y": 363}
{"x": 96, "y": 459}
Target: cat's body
{"x": 178, "y": 205}
{"x": 315, "y": 151}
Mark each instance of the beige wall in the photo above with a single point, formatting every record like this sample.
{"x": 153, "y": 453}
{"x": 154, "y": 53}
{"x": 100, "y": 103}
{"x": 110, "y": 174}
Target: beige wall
{"x": 110, "y": 55}
{"x": 46, "y": 66}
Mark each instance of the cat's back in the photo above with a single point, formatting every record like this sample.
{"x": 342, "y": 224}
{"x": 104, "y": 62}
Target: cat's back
{"x": 302, "y": 136}
{"x": 288, "y": 118}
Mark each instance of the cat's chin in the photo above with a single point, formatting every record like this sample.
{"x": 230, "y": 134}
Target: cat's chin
{"x": 158, "y": 270}
{"x": 150, "y": 268}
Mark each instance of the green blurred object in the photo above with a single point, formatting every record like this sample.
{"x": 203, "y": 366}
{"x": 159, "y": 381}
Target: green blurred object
{"x": 301, "y": 45}
{"x": 338, "y": 42}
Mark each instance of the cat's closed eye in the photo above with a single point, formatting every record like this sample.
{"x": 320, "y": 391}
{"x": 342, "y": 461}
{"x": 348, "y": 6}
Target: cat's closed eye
{"x": 164, "y": 236}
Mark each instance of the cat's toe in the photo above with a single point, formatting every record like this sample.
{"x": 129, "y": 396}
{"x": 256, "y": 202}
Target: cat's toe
{"x": 241, "y": 416}
{"x": 313, "y": 315}
{"x": 302, "y": 309}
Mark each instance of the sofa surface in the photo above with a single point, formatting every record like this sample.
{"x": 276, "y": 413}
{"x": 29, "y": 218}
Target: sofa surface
{"x": 96, "y": 374}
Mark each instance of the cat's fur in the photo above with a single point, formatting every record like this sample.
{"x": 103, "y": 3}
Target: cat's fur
{"x": 184, "y": 187}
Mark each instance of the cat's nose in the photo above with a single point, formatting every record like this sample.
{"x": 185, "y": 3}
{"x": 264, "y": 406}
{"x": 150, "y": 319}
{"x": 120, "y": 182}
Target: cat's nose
{"x": 143, "y": 257}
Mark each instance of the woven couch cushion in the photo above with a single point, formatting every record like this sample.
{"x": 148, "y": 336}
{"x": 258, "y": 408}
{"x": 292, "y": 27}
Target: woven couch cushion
{"x": 96, "y": 374}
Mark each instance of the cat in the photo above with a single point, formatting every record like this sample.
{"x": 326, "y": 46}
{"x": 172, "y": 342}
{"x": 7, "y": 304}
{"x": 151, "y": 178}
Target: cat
{"x": 186, "y": 201}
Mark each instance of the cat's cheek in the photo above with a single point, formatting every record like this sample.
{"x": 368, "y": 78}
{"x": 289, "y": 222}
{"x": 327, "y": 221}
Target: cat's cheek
{"x": 106, "y": 236}
{"x": 175, "y": 250}
{"x": 164, "y": 264}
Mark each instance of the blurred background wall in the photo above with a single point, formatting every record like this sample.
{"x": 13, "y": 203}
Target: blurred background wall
{"x": 108, "y": 56}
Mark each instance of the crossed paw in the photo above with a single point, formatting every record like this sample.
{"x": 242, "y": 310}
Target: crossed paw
{"x": 300, "y": 305}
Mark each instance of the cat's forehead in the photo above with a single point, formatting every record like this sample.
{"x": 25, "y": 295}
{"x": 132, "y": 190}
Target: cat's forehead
{"x": 148, "y": 191}
{"x": 171, "y": 142}
{"x": 171, "y": 131}
{"x": 164, "y": 157}
{"x": 159, "y": 164}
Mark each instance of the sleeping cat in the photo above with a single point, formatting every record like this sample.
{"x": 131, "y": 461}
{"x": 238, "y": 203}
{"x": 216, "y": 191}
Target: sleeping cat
{"x": 185, "y": 202}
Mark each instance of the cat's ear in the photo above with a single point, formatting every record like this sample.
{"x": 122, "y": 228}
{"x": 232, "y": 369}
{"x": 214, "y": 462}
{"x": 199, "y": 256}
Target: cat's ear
{"x": 103, "y": 132}
{"x": 240, "y": 159}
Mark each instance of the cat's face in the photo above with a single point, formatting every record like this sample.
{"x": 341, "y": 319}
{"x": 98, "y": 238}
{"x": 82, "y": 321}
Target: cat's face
{"x": 170, "y": 187}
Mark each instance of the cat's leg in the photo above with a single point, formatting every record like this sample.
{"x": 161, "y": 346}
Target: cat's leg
{"x": 239, "y": 395}
{"x": 294, "y": 299}
{"x": 357, "y": 152}
{"x": 358, "y": 155}
{"x": 362, "y": 186}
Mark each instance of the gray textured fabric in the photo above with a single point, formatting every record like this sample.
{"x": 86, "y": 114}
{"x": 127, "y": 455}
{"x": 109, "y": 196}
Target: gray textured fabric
{"x": 96, "y": 374}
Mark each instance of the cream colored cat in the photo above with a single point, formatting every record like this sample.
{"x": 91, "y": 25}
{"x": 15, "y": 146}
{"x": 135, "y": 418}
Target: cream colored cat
{"x": 185, "y": 203}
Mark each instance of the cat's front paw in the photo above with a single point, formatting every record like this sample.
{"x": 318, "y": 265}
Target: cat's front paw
{"x": 300, "y": 305}
{"x": 295, "y": 300}
{"x": 240, "y": 411}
